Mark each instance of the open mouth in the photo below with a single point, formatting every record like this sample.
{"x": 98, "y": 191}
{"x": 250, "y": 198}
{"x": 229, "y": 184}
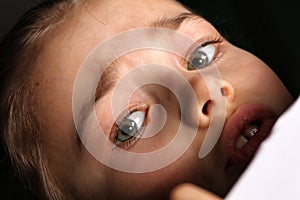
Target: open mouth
{"x": 247, "y": 128}
{"x": 246, "y": 135}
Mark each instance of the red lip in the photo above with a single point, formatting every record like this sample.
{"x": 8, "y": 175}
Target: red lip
{"x": 246, "y": 115}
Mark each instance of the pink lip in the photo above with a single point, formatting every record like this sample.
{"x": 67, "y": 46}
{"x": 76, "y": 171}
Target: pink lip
{"x": 244, "y": 116}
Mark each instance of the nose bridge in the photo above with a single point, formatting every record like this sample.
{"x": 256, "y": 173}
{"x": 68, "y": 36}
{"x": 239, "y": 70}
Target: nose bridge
{"x": 203, "y": 107}
{"x": 200, "y": 88}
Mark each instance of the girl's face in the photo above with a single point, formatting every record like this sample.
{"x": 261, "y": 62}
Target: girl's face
{"x": 253, "y": 98}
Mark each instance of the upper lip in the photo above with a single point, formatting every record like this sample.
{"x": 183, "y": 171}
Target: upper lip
{"x": 244, "y": 116}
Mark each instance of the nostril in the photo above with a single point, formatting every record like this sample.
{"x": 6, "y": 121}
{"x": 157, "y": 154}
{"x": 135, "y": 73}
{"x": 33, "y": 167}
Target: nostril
{"x": 227, "y": 91}
{"x": 206, "y": 108}
{"x": 224, "y": 91}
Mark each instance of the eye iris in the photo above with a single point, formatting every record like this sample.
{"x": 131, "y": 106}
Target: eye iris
{"x": 198, "y": 60}
{"x": 128, "y": 129}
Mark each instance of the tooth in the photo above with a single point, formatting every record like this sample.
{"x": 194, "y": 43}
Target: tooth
{"x": 250, "y": 131}
{"x": 240, "y": 142}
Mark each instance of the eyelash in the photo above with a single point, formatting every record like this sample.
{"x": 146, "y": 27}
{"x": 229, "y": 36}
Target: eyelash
{"x": 116, "y": 127}
{"x": 217, "y": 39}
{"x": 213, "y": 40}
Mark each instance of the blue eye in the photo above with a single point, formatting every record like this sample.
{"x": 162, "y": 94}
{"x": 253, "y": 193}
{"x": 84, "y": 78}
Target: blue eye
{"x": 201, "y": 57}
{"x": 129, "y": 127}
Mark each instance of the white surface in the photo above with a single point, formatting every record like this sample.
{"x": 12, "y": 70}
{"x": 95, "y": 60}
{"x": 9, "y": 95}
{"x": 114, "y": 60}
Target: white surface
{"x": 274, "y": 174}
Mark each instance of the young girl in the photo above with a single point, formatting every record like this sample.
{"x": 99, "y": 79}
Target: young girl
{"x": 91, "y": 90}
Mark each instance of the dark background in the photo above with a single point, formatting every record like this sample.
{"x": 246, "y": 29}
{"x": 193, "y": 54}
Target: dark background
{"x": 267, "y": 28}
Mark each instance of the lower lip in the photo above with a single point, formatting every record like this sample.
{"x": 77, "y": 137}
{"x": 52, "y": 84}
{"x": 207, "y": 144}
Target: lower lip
{"x": 246, "y": 115}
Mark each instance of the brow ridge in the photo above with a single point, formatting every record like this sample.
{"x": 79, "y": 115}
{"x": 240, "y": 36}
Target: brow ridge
{"x": 110, "y": 76}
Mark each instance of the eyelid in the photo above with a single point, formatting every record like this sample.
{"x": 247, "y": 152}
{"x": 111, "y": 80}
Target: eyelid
{"x": 130, "y": 109}
{"x": 115, "y": 128}
{"x": 216, "y": 40}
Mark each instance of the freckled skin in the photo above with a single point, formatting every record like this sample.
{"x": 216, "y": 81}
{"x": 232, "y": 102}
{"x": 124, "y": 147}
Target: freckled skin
{"x": 250, "y": 80}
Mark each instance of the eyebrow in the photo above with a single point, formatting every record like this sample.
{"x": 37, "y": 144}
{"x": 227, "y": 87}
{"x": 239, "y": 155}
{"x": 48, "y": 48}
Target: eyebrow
{"x": 173, "y": 22}
{"x": 110, "y": 76}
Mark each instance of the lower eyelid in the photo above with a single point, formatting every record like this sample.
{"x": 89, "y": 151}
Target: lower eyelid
{"x": 127, "y": 144}
{"x": 218, "y": 54}
{"x": 113, "y": 133}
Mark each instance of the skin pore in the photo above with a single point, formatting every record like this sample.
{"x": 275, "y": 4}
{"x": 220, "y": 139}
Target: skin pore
{"x": 246, "y": 80}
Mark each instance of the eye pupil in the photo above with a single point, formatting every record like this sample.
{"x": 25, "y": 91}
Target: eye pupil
{"x": 128, "y": 129}
{"x": 201, "y": 57}
{"x": 198, "y": 61}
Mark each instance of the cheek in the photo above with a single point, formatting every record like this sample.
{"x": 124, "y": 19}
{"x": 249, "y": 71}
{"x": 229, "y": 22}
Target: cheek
{"x": 253, "y": 80}
{"x": 161, "y": 128}
{"x": 157, "y": 184}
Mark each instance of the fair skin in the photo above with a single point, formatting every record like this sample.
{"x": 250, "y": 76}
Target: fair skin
{"x": 247, "y": 80}
{"x": 188, "y": 191}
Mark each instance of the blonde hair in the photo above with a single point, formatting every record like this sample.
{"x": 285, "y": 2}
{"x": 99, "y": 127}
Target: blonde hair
{"x": 20, "y": 124}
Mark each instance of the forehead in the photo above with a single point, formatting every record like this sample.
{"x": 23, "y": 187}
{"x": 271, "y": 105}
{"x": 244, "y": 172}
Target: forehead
{"x": 111, "y": 17}
{"x": 120, "y": 15}
{"x": 96, "y": 21}
{"x": 93, "y": 22}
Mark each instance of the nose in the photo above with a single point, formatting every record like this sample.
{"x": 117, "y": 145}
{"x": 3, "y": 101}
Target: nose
{"x": 210, "y": 93}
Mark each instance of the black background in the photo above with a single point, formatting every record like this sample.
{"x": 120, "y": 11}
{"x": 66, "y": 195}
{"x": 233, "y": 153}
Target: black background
{"x": 267, "y": 28}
